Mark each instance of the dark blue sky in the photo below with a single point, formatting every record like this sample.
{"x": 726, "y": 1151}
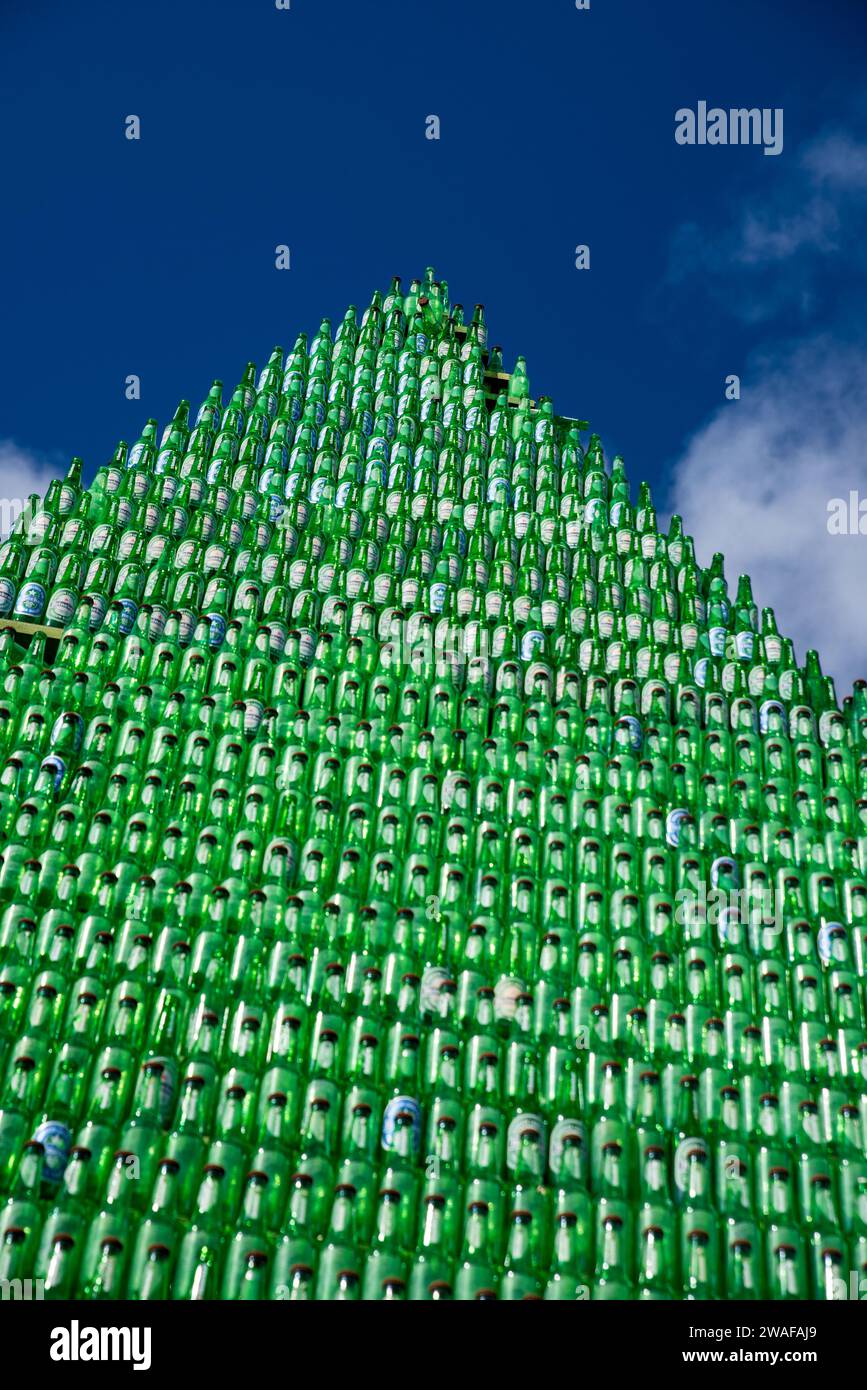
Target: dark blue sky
{"x": 156, "y": 257}
{"x": 307, "y": 127}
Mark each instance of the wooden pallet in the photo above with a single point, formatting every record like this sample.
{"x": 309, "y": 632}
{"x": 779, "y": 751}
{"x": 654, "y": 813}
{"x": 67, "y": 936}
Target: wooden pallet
{"x": 25, "y": 632}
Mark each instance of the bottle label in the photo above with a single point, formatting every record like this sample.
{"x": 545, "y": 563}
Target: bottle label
{"x": 431, "y": 985}
{"x": 355, "y": 580}
{"x": 671, "y": 667}
{"x": 56, "y": 1138}
{"x": 724, "y": 866}
{"x": 253, "y": 712}
{"x": 7, "y": 596}
{"x": 636, "y": 736}
{"x": 159, "y": 617}
{"x": 827, "y": 722}
{"x": 57, "y": 767}
{"x": 506, "y": 992}
{"x": 717, "y": 638}
{"x": 212, "y": 590}
{"x": 270, "y": 565}
{"x": 562, "y": 1130}
{"x": 437, "y": 597}
{"x": 406, "y": 1104}
{"x": 129, "y": 613}
{"x": 517, "y": 1127}
{"x": 766, "y": 710}
{"x": 187, "y": 625}
{"x": 744, "y": 643}
{"x": 681, "y": 1161}
{"x": 167, "y": 1088}
{"x": 673, "y": 822}
{"x": 825, "y": 941}
{"x": 218, "y": 629}
{"x": 61, "y": 607}
{"x": 98, "y": 605}
{"x": 701, "y": 671}
{"x": 279, "y": 633}
{"x": 530, "y": 643}
{"x": 381, "y": 585}
{"x": 31, "y": 600}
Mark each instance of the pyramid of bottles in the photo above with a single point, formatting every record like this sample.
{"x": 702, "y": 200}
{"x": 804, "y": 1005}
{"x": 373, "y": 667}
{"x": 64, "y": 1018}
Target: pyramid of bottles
{"x": 420, "y": 879}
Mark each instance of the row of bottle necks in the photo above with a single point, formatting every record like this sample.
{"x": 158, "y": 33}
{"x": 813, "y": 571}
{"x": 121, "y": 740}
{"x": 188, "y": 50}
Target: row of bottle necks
{"x": 814, "y": 860}
{"x": 757, "y": 899}
{"x": 491, "y": 704}
{"x": 617, "y": 980}
{"x": 481, "y": 579}
{"x": 324, "y": 731}
{"x": 474, "y": 656}
{"x": 648, "y": 635}
{"x": 475, "y": 1241}
{"x": 75, "y": 588}
{"x": 161, "y": 868}
{"x": 344, "y": 732}
{"x": 263, "y": 568}
{"x": 449, "y": 1090}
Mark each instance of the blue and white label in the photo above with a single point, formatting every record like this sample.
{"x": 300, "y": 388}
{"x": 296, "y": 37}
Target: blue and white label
{"x": 56, "y": 767}
{"x": 766, "y": 710}
{"x": 56, "y": 1139}
{"x": 406, "y": 1105}
{"x": 438, "y": 597}
{"x": 673, "y": 822}
{"x": 128, "y": 615}
{"x": 218, "y": 629}
{"x": 636, "y": 735}
{"x": 724, "y": 865}
{"x": 31, "y": 600}
{"x": 530, "y": 643}
{"x": 7, "y": 596}
{"x": 825, "y": 941}
{"x": 744, "y": 644}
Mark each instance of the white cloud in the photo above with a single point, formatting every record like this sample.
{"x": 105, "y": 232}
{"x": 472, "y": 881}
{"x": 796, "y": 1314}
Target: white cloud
{"x": 22, "y": 473}
{"x": 755, "y": 483}
{"x": 782, "y": 244}
{"x": 837, "y": 161}
{"x": 770, "y": 237}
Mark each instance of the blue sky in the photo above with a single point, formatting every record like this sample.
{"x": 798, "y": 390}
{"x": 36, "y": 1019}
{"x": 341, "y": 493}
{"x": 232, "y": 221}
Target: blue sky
{"x": 307, "y": 127}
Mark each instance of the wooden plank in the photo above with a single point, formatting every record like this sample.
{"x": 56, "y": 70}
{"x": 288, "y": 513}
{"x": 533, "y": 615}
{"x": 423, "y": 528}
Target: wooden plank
{"x": 25, "y": 633}
{"x": 30, "y": 630}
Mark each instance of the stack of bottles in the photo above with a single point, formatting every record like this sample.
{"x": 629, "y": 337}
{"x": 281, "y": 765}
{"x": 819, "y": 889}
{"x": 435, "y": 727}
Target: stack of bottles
{"x": 420, "y": 878}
